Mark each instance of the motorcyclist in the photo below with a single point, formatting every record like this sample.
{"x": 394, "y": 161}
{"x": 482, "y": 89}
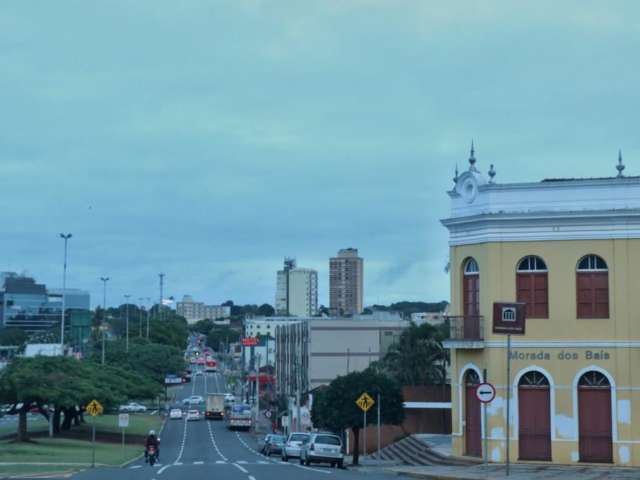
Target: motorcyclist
{"x": 151, "y": 440}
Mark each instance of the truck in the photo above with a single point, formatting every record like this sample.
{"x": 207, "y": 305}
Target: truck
{"x": 211, "y": 365}
{"x": 215, "y": 406}
{"x": 240, "y": 417}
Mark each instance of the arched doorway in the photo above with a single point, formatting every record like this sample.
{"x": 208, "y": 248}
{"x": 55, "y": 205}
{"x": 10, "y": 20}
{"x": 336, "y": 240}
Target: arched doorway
{"x": 473, "y": 424}
{"x": 534, "y": 417}
{"x": 471, "y": 299}
{"x": 594, "y": 413}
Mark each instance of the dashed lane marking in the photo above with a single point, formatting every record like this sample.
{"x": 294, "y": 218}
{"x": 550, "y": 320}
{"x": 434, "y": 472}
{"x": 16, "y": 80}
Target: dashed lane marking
{"x": 199, "y": 462}
{"x": 215, "y": 444}
{"x": 221, "y": 462}
{"x": 134, "y": 467}
{"x": 242, "y": 469}
{"x": 252, "y": 478}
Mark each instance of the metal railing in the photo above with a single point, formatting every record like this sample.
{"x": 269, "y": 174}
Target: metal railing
{"x": 466, "y": 327}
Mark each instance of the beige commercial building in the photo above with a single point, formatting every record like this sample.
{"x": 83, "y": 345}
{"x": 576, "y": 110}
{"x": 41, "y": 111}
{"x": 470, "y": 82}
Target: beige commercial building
{"x": 313, "y": 352}
{"x": 346, "y": 277}
{"x": 194, "y": 311}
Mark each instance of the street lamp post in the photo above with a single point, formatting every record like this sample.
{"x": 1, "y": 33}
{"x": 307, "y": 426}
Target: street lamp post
{"x": 126, "y": 307}
{"x": 148, "y": 313}
{"x": 104, "y": 311}
{"x": 66, "y": 238}
{"x": 140, "y": 299}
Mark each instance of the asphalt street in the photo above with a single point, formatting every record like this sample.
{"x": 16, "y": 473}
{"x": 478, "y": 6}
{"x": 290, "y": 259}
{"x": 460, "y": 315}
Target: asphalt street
{"x": 206, "y": 449}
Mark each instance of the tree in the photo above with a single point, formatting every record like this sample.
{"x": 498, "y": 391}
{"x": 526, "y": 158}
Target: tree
{"x": 202, "y": 326}
{"x": 266, "y": 310}
{"x": 418, "y": 358}
{"x": 334, "y": 406}
{"x": 222, "y": 333}
{"x": 12, "y": 337}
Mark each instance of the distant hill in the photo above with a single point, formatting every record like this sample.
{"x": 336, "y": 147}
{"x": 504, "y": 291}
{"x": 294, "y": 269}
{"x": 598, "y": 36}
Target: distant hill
{"x": 407, "y": 308}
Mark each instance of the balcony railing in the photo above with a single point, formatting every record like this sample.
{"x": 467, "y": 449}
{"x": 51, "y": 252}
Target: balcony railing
{"x": 466, "y": 327}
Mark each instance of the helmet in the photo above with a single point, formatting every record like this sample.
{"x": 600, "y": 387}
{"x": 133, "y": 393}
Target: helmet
{"x": 152, "y": 432}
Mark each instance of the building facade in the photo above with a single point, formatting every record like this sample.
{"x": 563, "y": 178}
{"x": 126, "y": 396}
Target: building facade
{"x": 267, "y": 326}
{"x": 315, "y": 351}
{"x": 567, "y": 251}
{"x": 296, "y": 290}
{"x": 194, "y": 311}
{"x": 346, "y": 279}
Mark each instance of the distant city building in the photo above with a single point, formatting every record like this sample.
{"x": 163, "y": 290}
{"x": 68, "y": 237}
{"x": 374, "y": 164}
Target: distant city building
{"x": 194, "y": 311}
{"x": 346, "y": 283}
{"x": 432, "y": 318}
{"x": 314, "y": 351}
{"x": 30, "y": 306}
{"x": 297, "y": 290}
{"x": 263, "y": 326}
{"x": 42, "y": 349}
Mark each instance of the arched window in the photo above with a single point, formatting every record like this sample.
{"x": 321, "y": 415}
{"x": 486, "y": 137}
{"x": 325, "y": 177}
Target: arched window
{"x": 592, "y": 288}
{"x": 471, "y": 267}
{"x": 533, "y": 379}
{"x": 594, "y": 379}
{"x": 532, "y": 286}
{"x": 471, "y": 297}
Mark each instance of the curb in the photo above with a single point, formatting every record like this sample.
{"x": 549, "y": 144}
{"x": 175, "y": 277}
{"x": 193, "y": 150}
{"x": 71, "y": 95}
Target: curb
{"x": 432, "y": 476}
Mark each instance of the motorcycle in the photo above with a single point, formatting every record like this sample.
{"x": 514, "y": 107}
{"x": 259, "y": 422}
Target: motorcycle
{"x": 152, "y": 455}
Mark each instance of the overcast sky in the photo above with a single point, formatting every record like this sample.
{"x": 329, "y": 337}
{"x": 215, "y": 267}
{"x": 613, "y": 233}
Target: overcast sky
{"x": 209, "y": 139}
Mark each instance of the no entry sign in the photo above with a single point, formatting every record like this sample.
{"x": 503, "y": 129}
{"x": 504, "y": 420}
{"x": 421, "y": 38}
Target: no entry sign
{"x": 485, "y": 392}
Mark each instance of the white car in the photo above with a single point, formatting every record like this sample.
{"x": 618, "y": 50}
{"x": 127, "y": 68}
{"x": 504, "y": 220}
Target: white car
{"x": 193, "y": 415}
{"x": 322, "y": 447}
{"x": 175, "y": 414}
{"x": 193, "y": 400}
{"x": 133, "y": 407}
{"x": 293, "y": 445}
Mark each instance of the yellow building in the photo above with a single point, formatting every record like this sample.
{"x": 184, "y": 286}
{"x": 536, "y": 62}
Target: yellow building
{"x": 569, "y": 249}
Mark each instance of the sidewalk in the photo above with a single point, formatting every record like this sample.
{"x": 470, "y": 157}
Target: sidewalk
{"x": 518, "y": 472}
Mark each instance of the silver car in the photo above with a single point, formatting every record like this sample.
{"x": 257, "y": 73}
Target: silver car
{"x": 322, "y": 448}
{"x": 292, "y": 446}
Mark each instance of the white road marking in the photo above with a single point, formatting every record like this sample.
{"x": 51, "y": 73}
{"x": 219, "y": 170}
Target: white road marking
{"x": 221, "y": 462}
{"x": 242, "y": 462}
{"x": 178, "y": 463}
{"x": 242, "y": 469}
{"x": 263, "y": 462}
{"x": 199, "y": 462}
{"x": 135, "y": 466}
{"x": 163, "y": 469}
{"x": 215, "y": 445}
{"x": 252, "y": 478}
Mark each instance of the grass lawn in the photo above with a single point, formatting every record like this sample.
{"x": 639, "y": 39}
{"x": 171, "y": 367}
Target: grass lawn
{"x": 34, "y": 424}
{"x": 139, "y": 423}
{"x": 35, "y": 469}
{"x": 64, "y": 451}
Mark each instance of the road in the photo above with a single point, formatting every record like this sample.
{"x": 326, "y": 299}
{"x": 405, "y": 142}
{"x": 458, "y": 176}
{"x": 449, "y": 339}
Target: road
{"x": 206, "y": 449}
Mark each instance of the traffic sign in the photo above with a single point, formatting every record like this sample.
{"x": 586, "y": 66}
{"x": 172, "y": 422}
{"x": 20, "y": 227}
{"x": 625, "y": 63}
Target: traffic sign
{"x": 249, "y": 341}
{"x": 123, "y": 420}
{"x": 94, "y": 408}
{"x": 485, "y": 392}
{"x": 365, "y": 402}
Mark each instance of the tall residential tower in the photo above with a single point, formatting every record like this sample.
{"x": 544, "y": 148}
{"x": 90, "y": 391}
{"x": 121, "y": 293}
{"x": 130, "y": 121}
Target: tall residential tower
{"x": 346, "y": 282}
{"x": 297, "y": 290}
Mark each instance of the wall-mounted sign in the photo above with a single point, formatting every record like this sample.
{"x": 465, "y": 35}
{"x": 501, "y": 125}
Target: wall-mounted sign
{"x": 508, "y": 318}
{"x": 249, "y": 341}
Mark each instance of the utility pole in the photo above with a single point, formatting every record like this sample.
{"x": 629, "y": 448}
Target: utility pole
{"x": 257, "y": 391}
{"x": 127, "y": 297}
{"x": 161, "y": 275}
{"x": 148, "y": 312}
{"x": 140, "y": 299}
{"x": 66, "y": 238}
{"x": 103, "y": 324}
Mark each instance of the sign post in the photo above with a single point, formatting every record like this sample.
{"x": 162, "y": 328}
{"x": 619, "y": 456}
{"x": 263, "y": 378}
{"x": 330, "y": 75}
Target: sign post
{"x": 508, "y": 318}
{"x": 365, "y": 402}
{"x": 94, "y": 408}
{"x": 123, "y": 423}
{"x": 485, "y": 393}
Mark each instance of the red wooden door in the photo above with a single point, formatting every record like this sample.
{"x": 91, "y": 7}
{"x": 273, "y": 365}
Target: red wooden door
{"x": 594, "y": 411}
{"x": 471, "y": 303}
{"x": 473, "y": 425}
{"x": 534, "y": 422}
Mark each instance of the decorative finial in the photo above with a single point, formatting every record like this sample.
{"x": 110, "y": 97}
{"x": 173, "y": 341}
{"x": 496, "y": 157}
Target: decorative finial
{"x": 492, "y": 173}
{"x": 455, "y": 179}
{"x": 620, "y": 166}
{"x": 472, "y": 158}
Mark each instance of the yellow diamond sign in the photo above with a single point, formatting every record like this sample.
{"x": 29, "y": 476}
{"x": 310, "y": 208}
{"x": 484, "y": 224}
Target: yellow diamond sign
{"x": 94, "y": 408}
{"x": 365, "y": 402}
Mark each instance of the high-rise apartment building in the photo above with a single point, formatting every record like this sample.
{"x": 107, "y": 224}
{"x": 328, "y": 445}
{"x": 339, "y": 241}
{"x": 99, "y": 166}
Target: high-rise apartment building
{"x": 346, "y": 282}
{"x": 297, "y": 290}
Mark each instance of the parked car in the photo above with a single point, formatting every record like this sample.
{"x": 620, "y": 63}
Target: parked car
{"x": 291, "y": 448}
{"x": 132, "y": 407}
{"x": 322, "y": 448}
{"x": 193, "y": 400}
{"x": 273, "y": 444}
{"x": 193, "y": 415}
{"x": 175, "y": 414}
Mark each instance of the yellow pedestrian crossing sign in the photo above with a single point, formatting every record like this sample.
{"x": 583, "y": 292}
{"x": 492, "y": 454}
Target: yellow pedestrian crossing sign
{"x": 94, "y": 408}
{"x": 365, "y": 402}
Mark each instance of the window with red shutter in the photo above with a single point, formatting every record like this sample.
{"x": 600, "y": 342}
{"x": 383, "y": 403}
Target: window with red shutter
{"x": 532, "y": 286}
{"x": 592, "y": 288}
